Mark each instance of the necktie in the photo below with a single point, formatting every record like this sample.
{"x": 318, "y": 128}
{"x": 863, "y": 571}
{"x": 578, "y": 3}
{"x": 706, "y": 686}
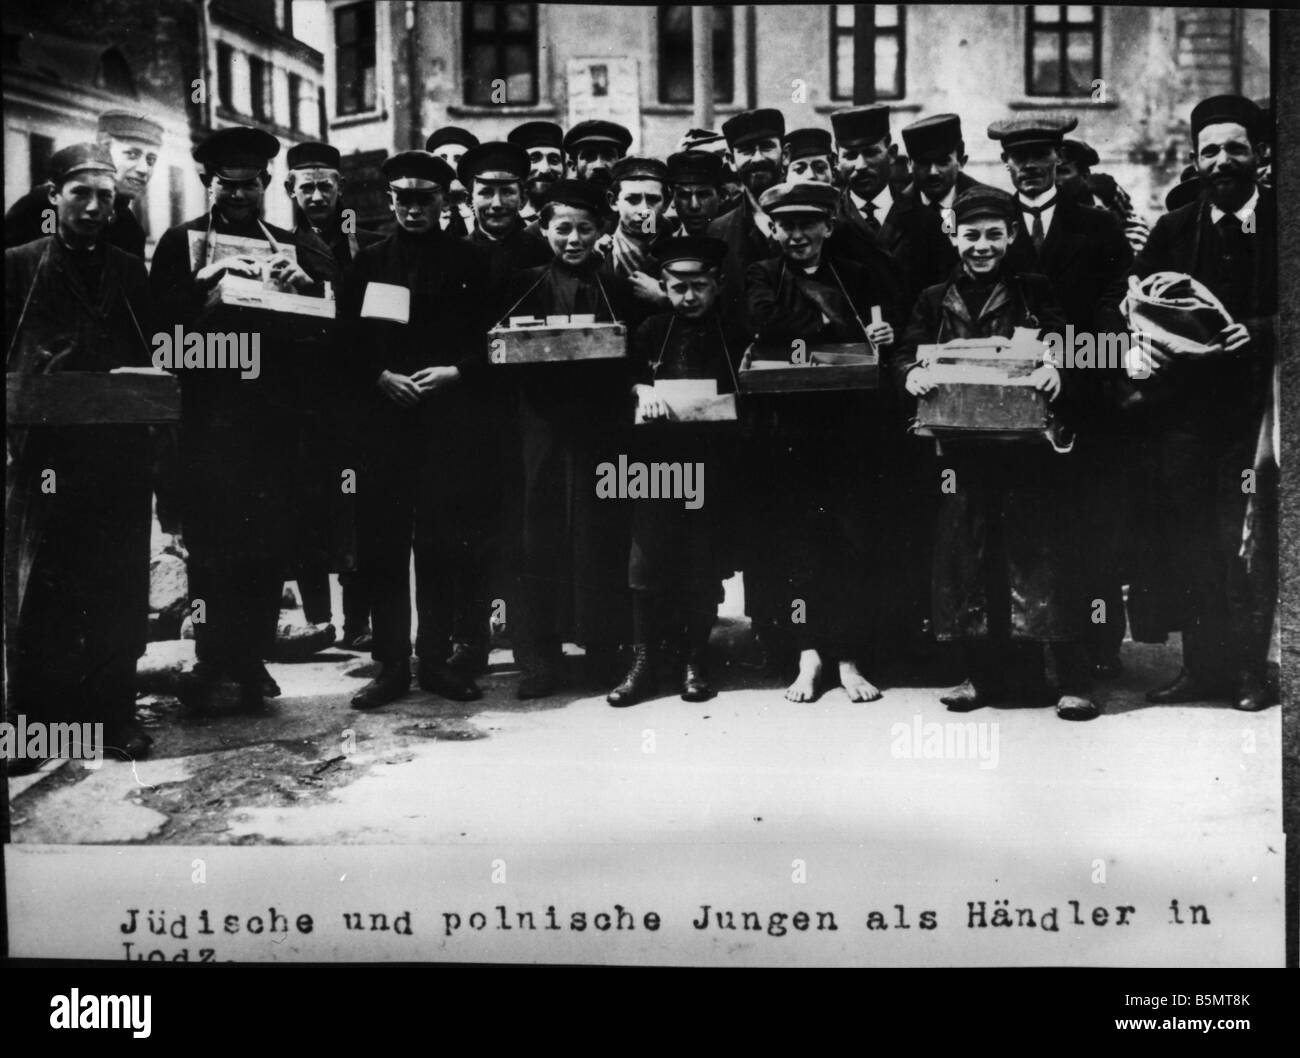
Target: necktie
{"x": 1037, "y": 233}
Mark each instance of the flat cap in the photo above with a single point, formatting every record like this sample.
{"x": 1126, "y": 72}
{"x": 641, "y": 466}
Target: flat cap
{"x": 1079, "y": 153}
{"x": 807, "y": 143}
{"x": 312, "y": 155}
{"x": 695, "y": 167}
{"x": 640, "y": 169}
{"x": 932, "y": 138}
{"x": 1217, "y": 110}
{"x": 238, "y": 148}
{"x": 710, "y": 140}
{"x": 450, "y": 134}
{"x": 537, "y": 134}
{"x": 1035, "y": 130}
{"x": 495, "y": 163}
{"x": 579, "y": 194}
{"x": 597, "y": 131}
{"x": 855, "y": 126}
{"x": 799, "y": 198}
{"x": 80, "y": 158}
{"x": 750, "y": 125}
{"x": 130, "y": 125}
{"x": 417, "y": 171}
{"x": 692, "y": 253}
{"x": 984, "y": 202}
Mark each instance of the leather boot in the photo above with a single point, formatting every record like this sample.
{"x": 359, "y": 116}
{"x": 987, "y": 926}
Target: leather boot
{"x": 695, "y": 679}
{"x": 393, "y": 682}
{"x": 639, "y": 683}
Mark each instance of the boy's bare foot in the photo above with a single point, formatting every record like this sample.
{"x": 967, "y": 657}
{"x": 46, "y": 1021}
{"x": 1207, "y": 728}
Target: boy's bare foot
{"x": 804, "y": 688}
{"x": 856, "y": 685}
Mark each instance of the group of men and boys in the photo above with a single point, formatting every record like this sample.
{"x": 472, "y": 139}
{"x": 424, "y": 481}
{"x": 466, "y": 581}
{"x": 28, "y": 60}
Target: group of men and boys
{"x": 859, "y": 542}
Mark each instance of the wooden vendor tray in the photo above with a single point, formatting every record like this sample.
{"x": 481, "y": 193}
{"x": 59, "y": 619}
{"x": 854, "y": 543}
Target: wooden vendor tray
{"x": 982, "y": 391}
{"x": 567, "y": 344}
{"x": 834, "y": 366}
{"x": 91, "y": 398}
{"x": 694, "y": 401}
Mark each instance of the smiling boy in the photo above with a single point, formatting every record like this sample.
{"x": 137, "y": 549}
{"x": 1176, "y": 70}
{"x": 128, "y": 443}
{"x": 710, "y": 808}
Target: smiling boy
{"x": 1005, "y": 554}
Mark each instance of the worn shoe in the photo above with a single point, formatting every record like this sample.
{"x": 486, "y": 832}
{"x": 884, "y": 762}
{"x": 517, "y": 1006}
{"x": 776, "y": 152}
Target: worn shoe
{"x": 270, "y": 689}
{"x": 965, "y": 698}
{"x": 443, "y": 681}
{"x": 1184, "y": 688}
{"x": 250, "y": 697}
{"x": 127, "y": 742}
{"x": 639, "y": 683}
{"x": 299, "y": 642}
{"x": 695, "y": 682}
{"x": 467, "y": 659}
{"x": 1251, "y": 695}
{"x": 1074, "y": 707}
{"x": 358, "y": 639}
{"x": 393, "y": 682}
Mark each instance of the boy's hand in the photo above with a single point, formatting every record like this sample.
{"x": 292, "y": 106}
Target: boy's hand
{"x": 646, "y": 288}
{"x": 287, "y": 273}
{"x": 919, "y": 382}
{"x": 431, "y": 379}
{"x": 650, "y": 407}
{"x": 880, "y": 333}
{"x": 1047, "y": 380}
{"x": 241, "y": 266}
{"x": 1234, "y": 337}
{"x": 400, "y": 389}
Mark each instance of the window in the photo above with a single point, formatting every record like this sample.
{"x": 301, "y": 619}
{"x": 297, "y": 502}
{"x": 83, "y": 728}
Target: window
{"x": 889, "y": 36}
{"x": 295, "y": 101}
{"x": 1062, "y": 50}
{"x": 225, "y": 59}
{"x": 677, "y": 57}
{"x": 40, "y": 151}
{"x": 259, "y": 87}
{"x": 500, "y": 45}
{"x": 354, "y": 58}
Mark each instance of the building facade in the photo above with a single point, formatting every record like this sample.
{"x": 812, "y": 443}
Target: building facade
{"x": 194, "y": 66}
{"x": 395, "y": 70}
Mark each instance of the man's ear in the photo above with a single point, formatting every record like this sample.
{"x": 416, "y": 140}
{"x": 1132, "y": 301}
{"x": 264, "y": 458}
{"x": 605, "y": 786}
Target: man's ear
{"x": 52, "y": 193}
{"x": 892, "y": 151}
{"x": 830, "y": 223}
{"x": 961, "y": 161}
{"x": 1013, "y": 229}
{"x": 613, "y": 199}
{"x": 288, "y": 185}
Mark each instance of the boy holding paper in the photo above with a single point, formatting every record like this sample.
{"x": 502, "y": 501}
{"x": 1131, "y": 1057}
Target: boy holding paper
{"x": 1006, "y": 555}
{"x": 412, "y": 314}
{"x": 821, "y": 526}
{"x": 677, "y": 563}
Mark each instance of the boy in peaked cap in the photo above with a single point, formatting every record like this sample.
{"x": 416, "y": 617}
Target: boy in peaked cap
{"x": 450, "y": 143}
{"x": 80, "y": 554}
{"x": 132, "y": 141}
{"x": 1007, "y": 542}
{"x": 237, "y": 436}
{"x": 412, "y": 315}
{"x": 696, "y": 180}
{"x": 678, "y": 557}
{"x": 823, "y": 456}
{"x": 572, "y": 418}
{"x": 808, "y": 155}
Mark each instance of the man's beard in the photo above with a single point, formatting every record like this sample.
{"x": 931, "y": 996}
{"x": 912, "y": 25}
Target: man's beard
{"x": 538, "y": 186}
{"x": 602, "y": 178}
{"x": 1229, "y": 192}
{"x": 759, "y": 175}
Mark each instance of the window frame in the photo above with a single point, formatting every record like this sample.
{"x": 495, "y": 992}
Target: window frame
{"x": 1062, "y": 28}
{"x": 500, "y": 38}
{"x": 260, "y": 89}
{"x": 726, "y": 51}
{"x": 344, "y": 102}
{"x": 900, "y": 73}
{"x": 295, "y": 102}
{"x": 226, "y": 75}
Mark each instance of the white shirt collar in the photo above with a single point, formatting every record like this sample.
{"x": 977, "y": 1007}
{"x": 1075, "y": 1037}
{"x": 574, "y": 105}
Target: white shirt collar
{"x": 1047, "y": 195}
{"x": 945, "y": 202}
{"x": 1246, "y": 209}
{"x": 883, "y": 202}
